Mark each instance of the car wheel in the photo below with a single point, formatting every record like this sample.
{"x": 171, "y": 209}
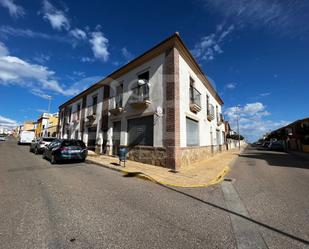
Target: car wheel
{"x": 53, "y": 159}
{"x": 36, "y": 151}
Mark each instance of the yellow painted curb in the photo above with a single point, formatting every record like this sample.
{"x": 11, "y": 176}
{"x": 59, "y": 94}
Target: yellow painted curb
{"x": 144, "y": 176}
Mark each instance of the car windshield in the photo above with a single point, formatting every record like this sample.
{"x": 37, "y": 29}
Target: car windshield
{"x": 73, "y": 143}
{"x": 48, "y": 139}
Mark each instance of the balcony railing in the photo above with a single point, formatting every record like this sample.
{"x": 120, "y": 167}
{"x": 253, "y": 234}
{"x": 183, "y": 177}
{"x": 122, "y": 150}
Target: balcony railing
{"x": 220, "y": 119}
{"x": 115, "y": 105}
{"x": 195, "y": 100}
{"x": 91, "y": 113}
{"x": 140, "y": 97}
{"x": 210, "y": 112}
{"x": 76, "y": 116}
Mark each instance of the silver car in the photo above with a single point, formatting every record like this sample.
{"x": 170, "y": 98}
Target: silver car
{"x": 38, "y": 145}
{"x": 2, "y": 138}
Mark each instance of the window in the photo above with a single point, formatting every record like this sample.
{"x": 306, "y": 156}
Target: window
{"x": 140, "y": 131}
{"x": 118, "y": 98}
{"x": 141, "y": 92}
{"x": 70, "y": 114}
{"x": 94, "y": 104}
{"x": 194, "y": 94}
{"x": 192, "y": 132}
{"x": 207, "y": 105}
{"x": 78, "y": 111}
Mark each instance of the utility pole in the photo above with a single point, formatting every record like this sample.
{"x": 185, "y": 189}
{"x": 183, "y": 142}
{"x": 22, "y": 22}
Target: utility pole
{"x": 237, "y": 113}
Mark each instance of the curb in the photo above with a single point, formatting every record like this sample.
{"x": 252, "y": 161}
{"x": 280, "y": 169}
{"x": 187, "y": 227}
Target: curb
{"x": 146, "y": 177}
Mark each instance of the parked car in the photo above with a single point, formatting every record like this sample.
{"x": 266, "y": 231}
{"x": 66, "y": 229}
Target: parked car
{"x": 2, "y": 138}
{"x": 26, "y": 137}
{"x": 38, "y": 145}
{"x": 65, "y": 150}
{"x": 266, "y": 144}
{"x": 276, "y": 145}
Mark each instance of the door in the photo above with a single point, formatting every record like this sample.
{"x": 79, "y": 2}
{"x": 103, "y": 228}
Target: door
{"x": 140, "y": 131}
{"x": 218, "y": 137}
{"x": 92, "y": 135}
{"x": 116, "y": 137}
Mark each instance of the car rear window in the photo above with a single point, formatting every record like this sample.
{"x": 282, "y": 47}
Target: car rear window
{"x": 48, "y": 139}
{"x": 73, "y": 143}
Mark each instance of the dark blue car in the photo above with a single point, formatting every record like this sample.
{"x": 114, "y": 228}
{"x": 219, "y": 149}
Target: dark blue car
{"x": 65, "y": 150}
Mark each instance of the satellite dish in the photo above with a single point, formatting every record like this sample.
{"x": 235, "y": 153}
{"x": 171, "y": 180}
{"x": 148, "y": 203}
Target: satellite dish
{"x": 159, "y": 111}
{"x": 141, "y": 82}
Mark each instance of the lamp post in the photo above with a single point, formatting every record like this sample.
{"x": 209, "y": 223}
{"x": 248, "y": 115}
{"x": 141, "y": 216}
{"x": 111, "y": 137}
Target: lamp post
{"x": 237, "y": 114}
{"x": 49, "y": 103}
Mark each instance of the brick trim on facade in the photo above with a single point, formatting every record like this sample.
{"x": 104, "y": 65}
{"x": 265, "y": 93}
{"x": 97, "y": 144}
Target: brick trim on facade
{"x": 172, "y": 103}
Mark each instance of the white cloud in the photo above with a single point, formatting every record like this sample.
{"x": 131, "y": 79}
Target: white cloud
{"x": 253, "y": 120}
{"x": 27, "y": 33}
{"x": 284, "y": 16}
{"x": 14, "y": 10}
{"x": 126, "y": 53}
{"x": 3, "y": 50}
{"x": 264, "y": 94}
{"x": 99, "y": 45}
{"x": 40, "y": 93}
{"x": 40, "y": 80}
{"x": 7, "y": 122}
{"x": 41, "y": 58}
{"x": 78, "y": 34}
{"x": 231, "y": 86}
{"x": 209, "y": 46}
{"x": 87, "y": 59}
{"x": 57, "y": 18}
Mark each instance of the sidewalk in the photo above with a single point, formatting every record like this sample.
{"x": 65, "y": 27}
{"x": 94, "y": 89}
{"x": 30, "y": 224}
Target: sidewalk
{"x": 201, "y": 174}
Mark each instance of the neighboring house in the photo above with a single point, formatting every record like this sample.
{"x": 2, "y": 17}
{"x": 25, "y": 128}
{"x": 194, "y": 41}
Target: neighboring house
{"x": 294, "y": 135}
{"x": 28, "y": 126}
{"x": 42, "y": 124}
{"x": 52, "y": 126}
{"x": 160, "y": 106}
{"x": 47, "y": 125}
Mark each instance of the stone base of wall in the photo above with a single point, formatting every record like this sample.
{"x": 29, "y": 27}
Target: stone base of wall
{"x": 191, "y": 155}
{"x": 150, "y": 155}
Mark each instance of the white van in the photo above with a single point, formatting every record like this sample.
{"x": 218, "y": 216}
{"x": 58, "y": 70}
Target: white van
{"x": 26, "y": 137}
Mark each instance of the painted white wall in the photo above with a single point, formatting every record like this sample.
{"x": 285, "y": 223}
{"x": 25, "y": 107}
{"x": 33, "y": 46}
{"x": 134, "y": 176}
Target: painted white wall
{"x": 205, "y": 126}
{"x": 157, "y": 96}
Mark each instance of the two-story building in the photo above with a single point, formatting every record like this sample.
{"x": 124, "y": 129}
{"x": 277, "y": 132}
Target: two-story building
{"x": 161, "y": 106}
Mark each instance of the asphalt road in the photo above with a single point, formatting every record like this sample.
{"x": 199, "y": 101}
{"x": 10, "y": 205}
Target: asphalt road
{"x": 86, "y": 206}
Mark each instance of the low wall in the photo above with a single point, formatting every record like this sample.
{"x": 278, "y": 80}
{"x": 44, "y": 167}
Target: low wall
{"x": 233, "y": 144}
{"x": 150, "y": 155}
{"x": 191, "y": 155}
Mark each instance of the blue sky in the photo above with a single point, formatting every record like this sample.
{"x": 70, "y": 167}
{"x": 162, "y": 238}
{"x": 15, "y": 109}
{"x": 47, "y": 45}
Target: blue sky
{"x": 255, "y": 52}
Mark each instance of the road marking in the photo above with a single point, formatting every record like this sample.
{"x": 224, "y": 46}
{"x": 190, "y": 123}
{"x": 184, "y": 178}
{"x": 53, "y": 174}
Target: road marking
{"x": 246, "y": 233}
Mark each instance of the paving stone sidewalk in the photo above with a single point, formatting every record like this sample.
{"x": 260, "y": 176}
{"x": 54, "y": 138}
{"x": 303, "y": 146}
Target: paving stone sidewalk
{"x": 201, "y": 174}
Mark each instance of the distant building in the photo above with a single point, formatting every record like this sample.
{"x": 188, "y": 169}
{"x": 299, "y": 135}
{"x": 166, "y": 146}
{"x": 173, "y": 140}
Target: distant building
{"x": 46, "y": 125}
{"x": 295, "y": 135}
{"x": 28, "y": 126}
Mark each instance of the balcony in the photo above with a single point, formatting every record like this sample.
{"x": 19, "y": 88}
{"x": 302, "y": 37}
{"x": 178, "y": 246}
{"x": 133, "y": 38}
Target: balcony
{"x": 220, "y": 119}
{"x": 140, "y": 97}
{"x": 91, "y": 115}
{"x": 195, "y": 100}
{"x": 115, "y": 105}
{"x": 76, "y": 116}
{"x": 210, "y": 112}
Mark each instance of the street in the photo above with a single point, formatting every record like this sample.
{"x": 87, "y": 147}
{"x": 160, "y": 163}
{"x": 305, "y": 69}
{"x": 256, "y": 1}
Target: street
{"x": 82, "y": 205}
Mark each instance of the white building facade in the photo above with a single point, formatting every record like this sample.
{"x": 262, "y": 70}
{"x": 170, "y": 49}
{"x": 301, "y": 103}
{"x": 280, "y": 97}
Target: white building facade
{"x": 160, "y": 106}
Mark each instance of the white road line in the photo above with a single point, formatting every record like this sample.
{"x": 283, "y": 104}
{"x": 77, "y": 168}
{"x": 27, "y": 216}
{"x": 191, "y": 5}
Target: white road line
{"x": 246, "y": 233}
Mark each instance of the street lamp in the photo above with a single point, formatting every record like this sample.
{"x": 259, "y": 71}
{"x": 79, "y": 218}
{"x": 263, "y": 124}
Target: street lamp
{"x": 237, "y": 114}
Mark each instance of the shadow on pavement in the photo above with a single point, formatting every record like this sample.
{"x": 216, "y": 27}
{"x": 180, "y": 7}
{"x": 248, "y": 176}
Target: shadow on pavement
{"x": 274, "y": 158}
{"x": 291, "y": 236}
